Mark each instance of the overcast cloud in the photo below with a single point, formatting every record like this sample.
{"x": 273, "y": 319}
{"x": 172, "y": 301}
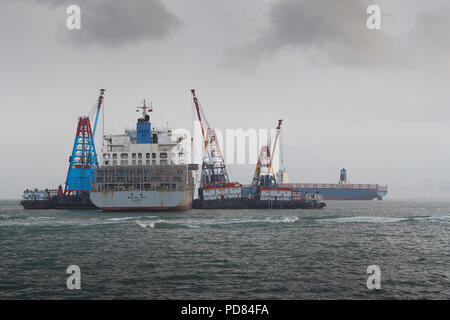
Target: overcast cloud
{"x": 333, "y": 31}
{"x": 114, "y": 23}
{"x": 431, "y": 36}
{"x": 330, "y": 30}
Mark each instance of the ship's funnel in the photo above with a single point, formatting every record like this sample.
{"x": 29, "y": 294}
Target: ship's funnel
{"x": 343, "y": 177}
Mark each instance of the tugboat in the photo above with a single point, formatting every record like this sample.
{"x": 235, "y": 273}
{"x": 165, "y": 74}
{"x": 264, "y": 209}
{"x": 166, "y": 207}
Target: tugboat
{"x": 55, "y": 199}
{"x": 38, "y": 199}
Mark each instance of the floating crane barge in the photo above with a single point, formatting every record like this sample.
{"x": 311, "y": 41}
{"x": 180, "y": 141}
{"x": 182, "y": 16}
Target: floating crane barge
{"x": 217, "y": 192}
{"x": 265, "y": 193}
{"x": 82, "y": 163}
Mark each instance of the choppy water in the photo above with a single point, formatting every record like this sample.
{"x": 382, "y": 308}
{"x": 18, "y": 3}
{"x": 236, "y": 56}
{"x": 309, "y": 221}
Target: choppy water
{"x": 229, "y": 254}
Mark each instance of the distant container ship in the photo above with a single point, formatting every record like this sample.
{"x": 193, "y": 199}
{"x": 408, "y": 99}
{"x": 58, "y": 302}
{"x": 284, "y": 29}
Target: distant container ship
{"x": 335, "y": 191}
{"x": 342, "y": 190}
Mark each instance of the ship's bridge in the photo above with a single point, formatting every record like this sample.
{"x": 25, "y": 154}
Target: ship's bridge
{"x": 165, "y": 148}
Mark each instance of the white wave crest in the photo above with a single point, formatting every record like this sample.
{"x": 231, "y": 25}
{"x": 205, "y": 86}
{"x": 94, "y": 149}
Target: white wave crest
{"x": 282, "y": 220}
{"x": 131, "y": 218}
{"x": 147, "y": 224}
{"x": 365, "y": 219}
{"x": 432, "y": 218}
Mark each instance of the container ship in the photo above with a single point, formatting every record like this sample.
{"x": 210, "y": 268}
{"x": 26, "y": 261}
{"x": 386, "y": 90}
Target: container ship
{"x": 82, "y": 162}
{"x": 338, "y": 191}
{"x": 143, "y": 188}
{"x": 334, "y": 191}
{"x": 342, "y": 190}
{"x": 144, "y": 170}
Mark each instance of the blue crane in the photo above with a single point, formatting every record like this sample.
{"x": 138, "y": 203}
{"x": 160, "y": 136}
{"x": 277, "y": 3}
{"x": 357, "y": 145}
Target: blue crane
{"x": 83, "y": 160}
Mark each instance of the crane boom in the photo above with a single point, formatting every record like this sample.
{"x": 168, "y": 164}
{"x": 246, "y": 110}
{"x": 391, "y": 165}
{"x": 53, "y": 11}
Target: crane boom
{"x": 197, "y": 108}
{"x": 99, "y": 104}
{"x": 276, "y": 140}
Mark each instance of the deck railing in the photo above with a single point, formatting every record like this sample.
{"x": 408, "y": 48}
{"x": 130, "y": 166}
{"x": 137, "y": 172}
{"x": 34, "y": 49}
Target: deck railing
{"x": 330, "y": 186}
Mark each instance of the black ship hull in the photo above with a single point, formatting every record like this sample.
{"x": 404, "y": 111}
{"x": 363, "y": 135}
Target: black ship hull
{"x": 232, "y": 203}
{"x": 76, "y": 202}
{"x": 283, "y": 204}
{"x": 36, "y": 204}
{"x": 60, "y": 202}
{"x": 245, "y": 203}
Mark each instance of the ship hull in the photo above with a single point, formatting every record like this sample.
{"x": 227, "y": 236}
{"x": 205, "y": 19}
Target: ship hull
{"x": 335, "y": 193}
{"x": 283, "y": 204}
{"x": 346, "y": 194}
{"x": 36, "y": 204}
{"x": 60, "y": 202}
{"x": 142, "y": 200}
{"x": 234, "y": 203}
{"x": 73, "y": 202}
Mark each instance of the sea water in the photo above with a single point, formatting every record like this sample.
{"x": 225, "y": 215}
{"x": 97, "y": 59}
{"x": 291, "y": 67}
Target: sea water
{"x": 229, "y": 254}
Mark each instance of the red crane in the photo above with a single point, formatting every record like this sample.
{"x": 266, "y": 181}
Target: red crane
{"x": 265, "y": 159}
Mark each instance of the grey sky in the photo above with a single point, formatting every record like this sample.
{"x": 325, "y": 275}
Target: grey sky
{"x": 325, "y": 30}
{"x": 374, "y": 102}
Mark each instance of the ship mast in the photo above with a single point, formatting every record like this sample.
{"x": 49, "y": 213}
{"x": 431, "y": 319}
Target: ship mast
{"x": 145, "y": 108}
